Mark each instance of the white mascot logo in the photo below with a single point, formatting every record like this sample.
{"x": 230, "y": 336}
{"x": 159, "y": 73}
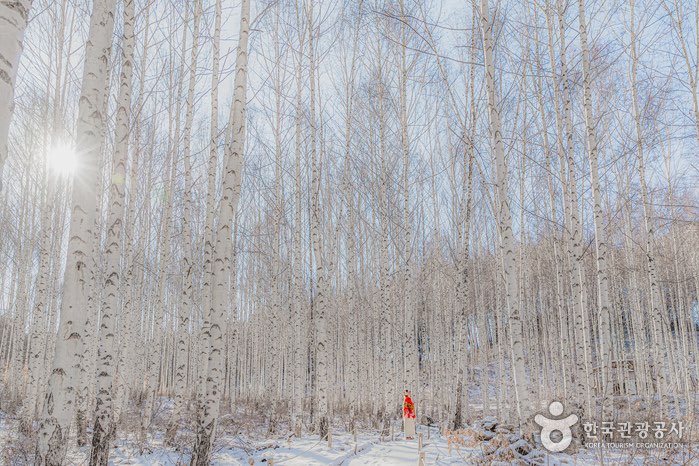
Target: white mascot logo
{"x": 551, "y": 425}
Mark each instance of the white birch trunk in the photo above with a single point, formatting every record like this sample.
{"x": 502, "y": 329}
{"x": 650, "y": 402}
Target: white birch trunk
{"x": 504, "y": 213}
{"x": 13, "y": 22}
{"x": 603, "y": 303}
{"x": 319, "y": 295}
{"x": 59, "y": 404}
{"x": 298, "y": 306}
{"x": 221, "y": 269}
{"x": 655, "y": 298}
{"x": 187, "y": 291}
{"x": 113, "y": 280}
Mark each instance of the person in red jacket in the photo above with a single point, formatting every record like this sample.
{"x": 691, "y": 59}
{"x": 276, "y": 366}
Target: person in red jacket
{"x": 408, "y": 416}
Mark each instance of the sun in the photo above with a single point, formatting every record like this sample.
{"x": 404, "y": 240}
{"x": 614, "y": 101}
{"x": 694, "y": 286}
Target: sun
{"x": 63, "y": 160}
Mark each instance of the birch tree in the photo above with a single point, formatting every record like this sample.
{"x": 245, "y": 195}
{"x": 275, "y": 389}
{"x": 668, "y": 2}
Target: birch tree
{"x": 187, "y": 291}
{"x": 59, "y": 403}
{"x": 106, "y": 366}
{"x": 299, "y": 313}
{"x": 604, "y": 304}
{"x": 13, "y": 22}
{"x": 319, "y": 299}
{"x": 504, "y": 214}
{"x": 221, "y": 268}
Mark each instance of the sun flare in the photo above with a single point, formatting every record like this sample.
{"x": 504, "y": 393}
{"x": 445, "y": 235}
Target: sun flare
{"x": 63, "y": 160}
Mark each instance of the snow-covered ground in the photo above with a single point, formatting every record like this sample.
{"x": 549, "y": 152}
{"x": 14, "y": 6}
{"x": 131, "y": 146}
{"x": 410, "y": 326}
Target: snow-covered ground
{"x": 367, "y": 449}
{"x": 309, "y": 451}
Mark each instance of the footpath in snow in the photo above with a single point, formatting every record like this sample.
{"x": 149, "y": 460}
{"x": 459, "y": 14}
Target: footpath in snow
{"x": 369, "y": 451}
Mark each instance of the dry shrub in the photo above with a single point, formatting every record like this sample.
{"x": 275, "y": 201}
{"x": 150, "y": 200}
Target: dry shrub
{"x": 501, "y": 444}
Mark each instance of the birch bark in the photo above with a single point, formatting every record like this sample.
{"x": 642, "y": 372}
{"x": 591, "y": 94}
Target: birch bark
{"x": 603, "y": 303}
{"x": 222, "y": 251}
{"x": 59, "y": 405}
{"x": 298, "y": 307}
{"x": 103, "y": 427}
{"x": 13, "y": 22}
{"x": 504, "y": 214}
{"x": 655, "y": 298}
{"x": 188, "y": 288}
{"x": 319, "y": 302}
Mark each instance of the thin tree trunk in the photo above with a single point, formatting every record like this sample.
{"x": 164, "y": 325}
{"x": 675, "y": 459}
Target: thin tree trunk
{"x": 187, "y": 291}
{"x": 221, "y": 268}
{"x": 504, "y": 213}
{"x": 59, "y": 405}
{"x": 103, "y": 427}
{"x": 604, "y": 305}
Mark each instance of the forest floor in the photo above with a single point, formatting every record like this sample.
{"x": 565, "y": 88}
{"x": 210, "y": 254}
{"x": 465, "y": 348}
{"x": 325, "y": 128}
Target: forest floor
{"x": 367, "y": 450}
{"x": 370, "y": 451}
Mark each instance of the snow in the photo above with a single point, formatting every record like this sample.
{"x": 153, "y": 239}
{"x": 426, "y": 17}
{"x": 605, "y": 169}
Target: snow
{"x": 370, "y": 451}
{"x": 367, "y": 449}
{"x": 309, "y": 451}
{"x": 405, "y": 452}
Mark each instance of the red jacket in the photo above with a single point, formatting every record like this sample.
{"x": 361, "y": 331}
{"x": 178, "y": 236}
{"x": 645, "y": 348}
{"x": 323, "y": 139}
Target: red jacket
{"x": 408, "y": 407}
